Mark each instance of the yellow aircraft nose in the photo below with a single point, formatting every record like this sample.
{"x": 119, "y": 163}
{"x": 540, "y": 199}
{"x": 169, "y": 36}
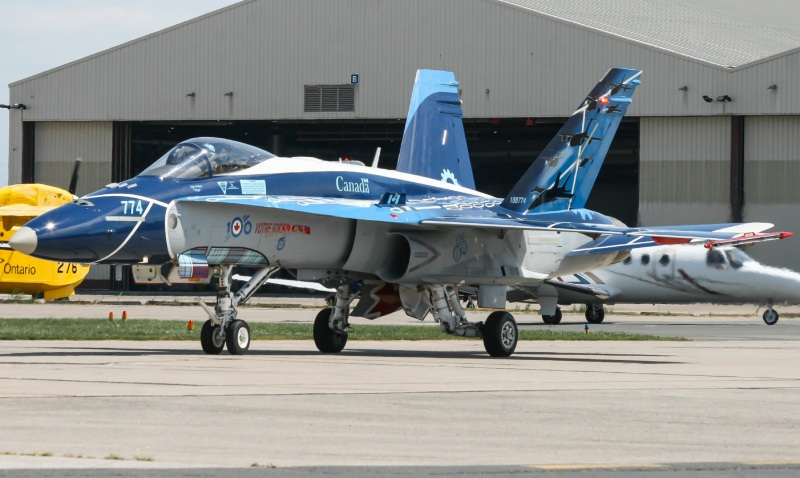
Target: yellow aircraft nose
{"x": 24, "y": 240}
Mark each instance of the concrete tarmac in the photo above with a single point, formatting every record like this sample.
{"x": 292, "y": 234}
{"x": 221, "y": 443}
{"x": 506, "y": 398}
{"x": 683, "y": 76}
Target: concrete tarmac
{"x": 551, "y": 406}
{"x": 696, "y": 321}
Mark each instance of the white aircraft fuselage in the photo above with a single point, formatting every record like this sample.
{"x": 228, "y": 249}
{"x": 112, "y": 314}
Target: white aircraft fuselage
{"x": 688, "y": 274}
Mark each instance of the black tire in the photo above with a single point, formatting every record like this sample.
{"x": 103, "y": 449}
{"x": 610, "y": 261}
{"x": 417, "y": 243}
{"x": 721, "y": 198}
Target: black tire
{"x": 237, "y": 337}
{"x": 210, "y": 338}
{"x": 771, "y": 316}
{"x": 595, "y": 313}
{"x": 326, "y": 340}
{"x": 500, "y": 334}
{"x": 553, "y": 319}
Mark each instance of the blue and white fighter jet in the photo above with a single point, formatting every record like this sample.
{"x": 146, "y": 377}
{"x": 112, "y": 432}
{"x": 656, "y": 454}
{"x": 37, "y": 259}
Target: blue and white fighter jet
{"x": 418, "y": 248}
{"x": 391, "y": 239}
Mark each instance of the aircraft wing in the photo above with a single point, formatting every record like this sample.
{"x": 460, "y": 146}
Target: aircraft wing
{"x": 434, "y": 214}
{"x": 472, "y": 212}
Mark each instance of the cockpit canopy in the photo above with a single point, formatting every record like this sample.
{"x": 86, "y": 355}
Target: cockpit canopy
{"x": 206, "y": 157}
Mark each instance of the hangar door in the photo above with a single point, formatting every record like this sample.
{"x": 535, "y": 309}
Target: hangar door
{"x": 771, "y": 172}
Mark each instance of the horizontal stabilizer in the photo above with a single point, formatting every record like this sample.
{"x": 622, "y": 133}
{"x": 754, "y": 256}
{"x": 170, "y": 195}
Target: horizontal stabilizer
{"x": 749, "y": 239}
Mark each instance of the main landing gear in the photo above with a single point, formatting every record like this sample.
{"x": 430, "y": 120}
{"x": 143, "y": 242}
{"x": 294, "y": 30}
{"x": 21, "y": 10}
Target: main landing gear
{"x": 331, "y": 327}
{"x": 500, "y": 333}
{"x": 770, "y": 316}
{"x": 554, "y": 319}
{"x": 595, "y": 313}
{"x": 223, "y": 328}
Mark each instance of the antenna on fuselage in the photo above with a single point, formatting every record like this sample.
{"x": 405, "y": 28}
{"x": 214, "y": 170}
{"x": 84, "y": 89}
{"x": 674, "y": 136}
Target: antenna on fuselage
{"x": 376, "y": 157}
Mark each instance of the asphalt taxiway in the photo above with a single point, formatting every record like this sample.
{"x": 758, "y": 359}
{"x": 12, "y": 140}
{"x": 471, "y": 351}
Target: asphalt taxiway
{"x": 726, "y": 405}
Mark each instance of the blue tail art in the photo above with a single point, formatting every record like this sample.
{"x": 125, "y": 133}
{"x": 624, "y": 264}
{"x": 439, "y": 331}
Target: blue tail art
{"x": 434, "y": 142}
{"x": 564, "y": 173}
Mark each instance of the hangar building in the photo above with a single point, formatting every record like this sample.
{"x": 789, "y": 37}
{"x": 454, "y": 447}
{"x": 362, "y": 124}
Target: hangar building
{"x": 712, "y": 135}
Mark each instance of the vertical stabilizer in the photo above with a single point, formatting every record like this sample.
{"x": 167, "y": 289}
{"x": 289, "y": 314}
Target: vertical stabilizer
{"x": 434, "y": 143}
{"x": 565, "y": 172}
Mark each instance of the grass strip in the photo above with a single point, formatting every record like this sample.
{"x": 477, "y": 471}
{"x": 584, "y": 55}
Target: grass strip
{"x": 147, "y": 329}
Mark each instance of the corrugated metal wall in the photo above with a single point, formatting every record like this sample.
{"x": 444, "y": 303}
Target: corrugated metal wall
{"x": 59, "y": 143}
{"x": 511, "y": 63}
{"x": 772, "y": 172}
{"x": 57, "y": 146}
{"x": 684, "y": 171}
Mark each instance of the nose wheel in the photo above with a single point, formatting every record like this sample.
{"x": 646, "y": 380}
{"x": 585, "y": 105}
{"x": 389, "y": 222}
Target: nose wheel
{"x": 770, "y": 316}
{"x": 211, "y": 338}
{"x": 236, "y": 338}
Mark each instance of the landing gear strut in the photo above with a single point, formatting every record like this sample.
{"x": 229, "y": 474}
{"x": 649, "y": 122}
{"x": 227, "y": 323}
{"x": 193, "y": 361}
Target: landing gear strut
{"x": 222, "y": 327}
{"x": 500, "y": 333}
{"x": 331, "y": 327}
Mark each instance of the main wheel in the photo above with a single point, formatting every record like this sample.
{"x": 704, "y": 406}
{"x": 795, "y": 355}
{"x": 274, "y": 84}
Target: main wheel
{"x": 553, "y": 319}
{"x": 211, "y": 338}
{"x": 326, "y": 340}
{"x": 500, "y": 334}
{"x": 237, "y": 338}
{"x": 771, "y": 317}
{"x": 595, "y": 313}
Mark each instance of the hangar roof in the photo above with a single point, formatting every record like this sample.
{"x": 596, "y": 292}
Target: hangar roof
{"x": 725, "y": 33}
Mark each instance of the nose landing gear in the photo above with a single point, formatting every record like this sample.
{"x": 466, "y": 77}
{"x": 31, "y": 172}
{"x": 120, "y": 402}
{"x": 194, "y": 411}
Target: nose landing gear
{"x": 222, "y": 327}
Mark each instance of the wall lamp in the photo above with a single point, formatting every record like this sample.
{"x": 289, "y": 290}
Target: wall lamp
{"x": 190, "y": 95}
{"x": 772, "y": 87}
{"x": 15, "y": 106}
{"x": 683, "y": 88}
{"x": 707, "y": 99}
{"x": 230, "y": 93}
{"x": 724, "y": 98}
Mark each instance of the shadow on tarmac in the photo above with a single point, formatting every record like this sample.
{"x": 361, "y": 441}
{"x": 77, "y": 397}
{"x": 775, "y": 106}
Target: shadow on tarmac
{"x": 585, "y": 357}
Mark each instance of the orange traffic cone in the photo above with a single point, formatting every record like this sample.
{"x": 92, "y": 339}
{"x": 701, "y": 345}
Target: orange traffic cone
{"x": 124, "y": 315}
{"x": 111, "y": 316}
{"x": 190, "y": 325}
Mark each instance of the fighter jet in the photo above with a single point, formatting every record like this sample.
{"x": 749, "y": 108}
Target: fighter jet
{"x": 416, "y": 247}
{"x": 389, "y": 239}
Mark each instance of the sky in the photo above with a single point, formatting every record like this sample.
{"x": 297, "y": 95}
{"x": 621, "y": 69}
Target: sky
{"x": 37, "y": 35}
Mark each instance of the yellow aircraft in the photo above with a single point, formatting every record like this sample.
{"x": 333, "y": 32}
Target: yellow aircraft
{"x": 23, "y": 274}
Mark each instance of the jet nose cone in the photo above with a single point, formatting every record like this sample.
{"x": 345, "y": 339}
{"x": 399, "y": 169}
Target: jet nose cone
{"x": 24, "y": 240}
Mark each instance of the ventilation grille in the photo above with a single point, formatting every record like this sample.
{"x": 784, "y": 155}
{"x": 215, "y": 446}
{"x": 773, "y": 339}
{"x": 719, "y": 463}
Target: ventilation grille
{"x": 329, "y": 98}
